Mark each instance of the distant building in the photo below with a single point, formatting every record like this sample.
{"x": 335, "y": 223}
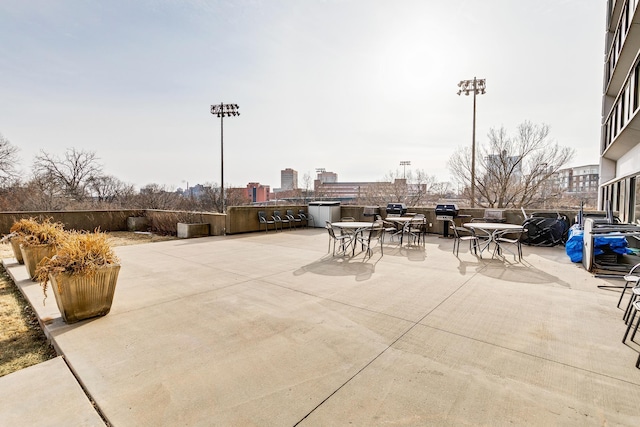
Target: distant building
{"x": 343, "y": 191}
{"x": 326, "y": 177}
{"x": 288, "y": 179}
{"x": 580, "y": 179}
{"x": 503, "y": 163}
{"x": 258, "y": 193}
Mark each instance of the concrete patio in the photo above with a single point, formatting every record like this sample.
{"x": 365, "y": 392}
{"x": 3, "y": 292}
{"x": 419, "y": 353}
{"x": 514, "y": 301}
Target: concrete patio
{"x": 267, "y": 329}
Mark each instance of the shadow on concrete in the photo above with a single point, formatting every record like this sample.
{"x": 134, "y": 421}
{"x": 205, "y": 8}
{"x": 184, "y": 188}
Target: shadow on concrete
{"x": 519, "y": 273}
{"x": 341, "y": 266}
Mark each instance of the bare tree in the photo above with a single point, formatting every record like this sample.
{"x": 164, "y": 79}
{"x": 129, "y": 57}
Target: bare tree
{"x": 237, "y": 197}
{"x": 209, "y": 198}
{"x": 109, "y": 189}
{"x": 307, "y": 187}
{"x": 71, "y": 173}
{"x": 512, "y": 171}
{"x": 155, "y": 196}
{"x": 41, "y": 193}
{"x": 415, "y": 188}
{"x": 8, "y": 162}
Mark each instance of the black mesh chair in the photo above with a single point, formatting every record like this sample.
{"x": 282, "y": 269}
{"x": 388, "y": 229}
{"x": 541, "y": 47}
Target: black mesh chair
{"x": 279, "y": 219}
{"x": 293, "y": 219}
{"x": 262, "y": 217}
{"x": 305, "y": 217}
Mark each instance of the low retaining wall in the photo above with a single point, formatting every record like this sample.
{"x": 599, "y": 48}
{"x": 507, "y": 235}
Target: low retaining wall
{"x": 238, "y": 219}
{"x": 106, "y": 220}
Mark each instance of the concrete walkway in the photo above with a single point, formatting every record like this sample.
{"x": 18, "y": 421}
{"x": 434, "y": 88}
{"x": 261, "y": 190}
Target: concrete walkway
{"x": 268, "y": 330}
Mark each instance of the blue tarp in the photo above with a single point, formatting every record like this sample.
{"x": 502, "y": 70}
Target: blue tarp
{"x": 573, "y": 247}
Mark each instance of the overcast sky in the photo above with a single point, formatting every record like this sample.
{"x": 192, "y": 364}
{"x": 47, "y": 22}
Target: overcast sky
{"x": 352, "y": 86}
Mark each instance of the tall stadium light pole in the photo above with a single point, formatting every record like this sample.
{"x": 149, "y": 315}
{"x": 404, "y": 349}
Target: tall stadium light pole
{"x": 221, "y": 110}
{"x": 477, "y": 86}
{"x": 404, "y": 164}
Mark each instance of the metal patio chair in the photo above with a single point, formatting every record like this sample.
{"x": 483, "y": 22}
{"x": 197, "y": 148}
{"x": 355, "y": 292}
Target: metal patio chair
{"x": 262, "y": 217}
{"x": 468, "y": 236}
{"x": 305, "y": 217}
{"x": 279, "y": 219}
{"x": 344, "y": 240}
{"x": 293, "y": 218}
{"x": 629, "y": 279}
{"x": 369, "y": 237}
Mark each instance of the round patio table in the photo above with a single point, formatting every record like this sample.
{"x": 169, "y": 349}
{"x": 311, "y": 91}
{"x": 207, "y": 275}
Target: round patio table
{"x": 351, "y": 228}
{"x": 492, "y": 230}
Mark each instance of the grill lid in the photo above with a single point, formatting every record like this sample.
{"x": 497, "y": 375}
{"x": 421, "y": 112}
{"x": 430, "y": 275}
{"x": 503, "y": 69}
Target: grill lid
{"x": 449, "y": 209}
{"x": 396, "y": 208}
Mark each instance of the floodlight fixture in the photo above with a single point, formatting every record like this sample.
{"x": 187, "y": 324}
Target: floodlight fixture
{"x": 404, "y": 164}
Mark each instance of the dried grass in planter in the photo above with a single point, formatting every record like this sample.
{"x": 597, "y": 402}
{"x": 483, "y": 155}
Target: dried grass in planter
{"x": 78, "y": 253}
{"x": 32, "y": 232}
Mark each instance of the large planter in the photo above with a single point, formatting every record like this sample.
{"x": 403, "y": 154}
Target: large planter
{"x": 33, "y": 254}
{"x": 17, "y": 252}
{"x": 81, "y": 296}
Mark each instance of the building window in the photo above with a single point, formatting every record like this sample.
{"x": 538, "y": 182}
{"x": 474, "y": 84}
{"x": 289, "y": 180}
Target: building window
{"x": 636, "y": 82}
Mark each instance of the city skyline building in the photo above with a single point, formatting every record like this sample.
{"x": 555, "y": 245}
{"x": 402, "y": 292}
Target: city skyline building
{"x": 288, "y": 179}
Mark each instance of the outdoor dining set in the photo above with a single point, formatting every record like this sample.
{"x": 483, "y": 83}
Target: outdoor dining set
{"x": 348, "y": 235}
{"x": 366, "y": 235}
{"x": 494, "y": 237}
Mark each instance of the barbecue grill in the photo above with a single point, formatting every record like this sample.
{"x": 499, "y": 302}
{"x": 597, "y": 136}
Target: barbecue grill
{"x": 445, "y": 213}
{"x": 371, "y": 211}
{"x": 397, "y": 209}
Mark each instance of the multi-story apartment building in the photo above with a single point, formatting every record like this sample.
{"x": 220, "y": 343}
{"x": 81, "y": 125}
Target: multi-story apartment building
{"x": 288, "y": 179}
{"x": 326, "y": 177}
{"x": 580, "y": 179}
{"x": 258, "y": 193}
{"x": 346, "y": 191}
{"x": 620, "y": 141}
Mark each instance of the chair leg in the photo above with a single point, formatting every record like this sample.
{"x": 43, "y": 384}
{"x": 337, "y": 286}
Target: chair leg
{"x": 626, "y": 285}
{"x": 633, "y": 335}
{"x": 629, "y": 326}
{"x": 627, "y": 311}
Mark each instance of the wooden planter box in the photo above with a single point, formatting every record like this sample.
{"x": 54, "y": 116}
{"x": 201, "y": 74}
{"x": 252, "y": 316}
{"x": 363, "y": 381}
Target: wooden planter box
{"x": 33, "y": 254}
{"x": 81, "y": 296}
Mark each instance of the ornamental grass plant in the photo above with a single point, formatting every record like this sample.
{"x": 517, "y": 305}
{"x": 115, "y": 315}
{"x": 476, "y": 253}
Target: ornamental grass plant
{"x": 78, "y": 252}
{"x": 32, "y": 232}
